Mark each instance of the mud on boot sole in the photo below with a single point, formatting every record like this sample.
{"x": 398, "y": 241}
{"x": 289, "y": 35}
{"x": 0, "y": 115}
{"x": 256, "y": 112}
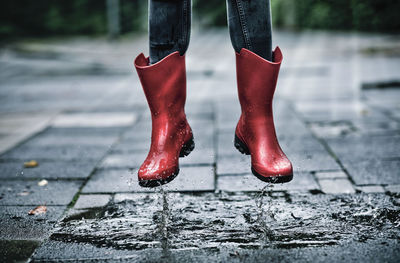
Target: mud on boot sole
{"x": 158, "y": 182}
{"x": 187, "y": 148}
{"x": 241, "y": 146}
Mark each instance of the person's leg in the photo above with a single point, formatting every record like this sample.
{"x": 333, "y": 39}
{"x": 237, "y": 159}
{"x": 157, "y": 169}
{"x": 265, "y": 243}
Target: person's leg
{"x": 250, "y": 30}
{"x": 250, "y": 26}
{"x": 169, "y": 27}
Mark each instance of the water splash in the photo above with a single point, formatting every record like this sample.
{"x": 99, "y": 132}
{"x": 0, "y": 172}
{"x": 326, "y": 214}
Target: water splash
{"x": 265, "y": 215}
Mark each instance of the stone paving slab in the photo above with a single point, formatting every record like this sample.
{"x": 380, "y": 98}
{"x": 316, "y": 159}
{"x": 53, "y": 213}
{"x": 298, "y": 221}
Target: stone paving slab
{"x": 312, "y": 161}
{"x": 373, "y": 171}
{"x": 61, "y": 152}
{"x": 199, "y": 157}
{"x": 347, "y": 110}
{"x": 17, "y": 127}
{"x": 366, "y": 147}
{"x": 192, "y": 178}
{"x": 249, "y": 183}
{"x": 330, "y": 175}
{"x": 62, "y": 140}
{"x": 24, "y": 192}
{"x": 83, "y": 131}
{"x": 132, "y": 145}
{"x": 336, "y": 186}
{"x": 370, "y": 189}
{"x": 94, "y": 119}
{"x": 92, "y": 201}
{"x": 47, "y": 169}
{"x": 127, "y": 160}
{"x": 233, "y": 164}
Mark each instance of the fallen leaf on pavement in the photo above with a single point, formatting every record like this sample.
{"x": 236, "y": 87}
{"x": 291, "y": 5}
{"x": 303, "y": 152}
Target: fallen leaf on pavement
{"x": 41, "y": 209}
{"x": 43, "y": 182}
{"x": 31, "y": 164}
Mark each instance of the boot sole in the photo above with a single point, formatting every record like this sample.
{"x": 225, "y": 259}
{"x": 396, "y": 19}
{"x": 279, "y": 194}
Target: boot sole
{"x": 187, "y": 148}
{"x": 242, "y": 147}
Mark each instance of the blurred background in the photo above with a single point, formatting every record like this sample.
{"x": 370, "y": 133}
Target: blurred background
{"x": 89, "y": 17}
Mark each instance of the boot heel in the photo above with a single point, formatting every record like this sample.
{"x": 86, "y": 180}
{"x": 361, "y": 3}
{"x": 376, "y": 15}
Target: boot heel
{"x": 187, "y": 148}
{"x": 241, "y": 146}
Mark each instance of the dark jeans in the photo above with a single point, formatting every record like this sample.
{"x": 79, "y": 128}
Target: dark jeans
{"x": 249, "y": 24}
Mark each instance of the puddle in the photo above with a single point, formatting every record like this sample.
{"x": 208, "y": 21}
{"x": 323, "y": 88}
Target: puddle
{"x": 210, "y": 221}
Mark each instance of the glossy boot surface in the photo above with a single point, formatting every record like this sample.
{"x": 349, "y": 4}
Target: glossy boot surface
{"x": 255, "y": 132}
{"x": 164, "y": 84}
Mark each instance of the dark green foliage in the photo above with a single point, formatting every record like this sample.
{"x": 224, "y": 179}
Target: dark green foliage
{"x": 56, "y": 17}
{"x": 373, "y": 15}
{"x": 47, "y": 17}
{"x": 363, "y": 15}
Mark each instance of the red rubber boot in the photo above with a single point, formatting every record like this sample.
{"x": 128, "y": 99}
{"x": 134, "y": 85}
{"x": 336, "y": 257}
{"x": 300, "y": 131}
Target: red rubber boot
{"x": 164, "y": 85}
{"x": 255, "y": 132}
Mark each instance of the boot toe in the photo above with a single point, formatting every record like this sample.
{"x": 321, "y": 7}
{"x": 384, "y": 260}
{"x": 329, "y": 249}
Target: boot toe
{"x": 276, "y": 172}
{"x": 148, "y": 173}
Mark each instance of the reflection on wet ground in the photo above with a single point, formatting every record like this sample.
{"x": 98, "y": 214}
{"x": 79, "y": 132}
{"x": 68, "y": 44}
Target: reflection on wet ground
{"x": 181, "y": 221}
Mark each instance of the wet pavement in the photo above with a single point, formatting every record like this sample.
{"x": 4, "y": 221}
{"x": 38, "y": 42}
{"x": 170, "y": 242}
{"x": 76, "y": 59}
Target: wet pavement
{"x": 80, "y": 113}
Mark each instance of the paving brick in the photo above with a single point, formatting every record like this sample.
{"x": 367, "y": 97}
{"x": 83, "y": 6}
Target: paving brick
{"x": 82, "y": 131}
{"x": 373, "y": 171}
{"x": 92, "y": 201}
{"x": 122, "y": 180}
{"x": 16, "y": 127}
{"x": 127, "y": 160}
{"x": 330, "y": 175}
{"x": 24, "y": 192}
{"x": 67, "y": 152}
{"x": 60, "y": 140}
{"x": 132, "y": 145}
{"x": 16, "y": 224}
{"x": 365, "y": 147}
{"x": 198, "y": 157}
{"x": 371, "y": 189}
{"x": 312, "y": 161}
{"x": 301, "y": 144}
{"x": 337, "y": 111}
{"x": 233, "y": 164}
{"x": 377, "y": 127}
{"x": 47, "y": 169}
{"x": 232, "y": 183}
{"x": 94, "y": 119}
{"x": 225, "y": 144}
{"x": 336, "y": 186}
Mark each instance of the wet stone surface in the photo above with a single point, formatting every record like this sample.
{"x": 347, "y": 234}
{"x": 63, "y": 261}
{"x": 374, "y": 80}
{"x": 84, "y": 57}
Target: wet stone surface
{"x": 216, "y": 221}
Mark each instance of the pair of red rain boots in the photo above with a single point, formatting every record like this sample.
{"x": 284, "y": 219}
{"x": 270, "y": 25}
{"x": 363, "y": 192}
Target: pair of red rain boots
{"x": 164, "y": 85}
